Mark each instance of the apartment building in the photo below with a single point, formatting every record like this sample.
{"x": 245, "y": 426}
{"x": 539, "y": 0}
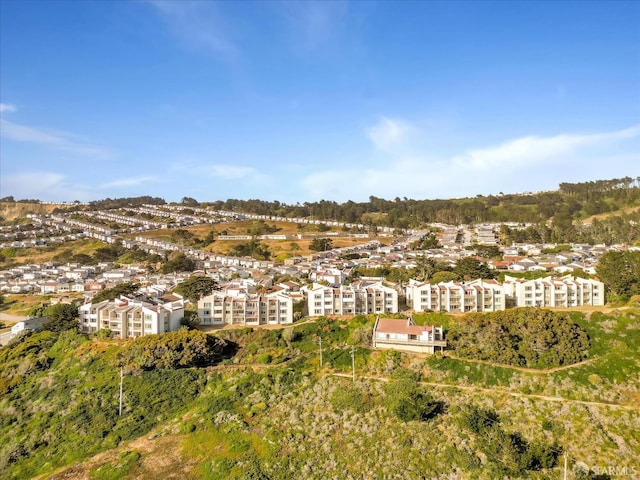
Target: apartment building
{"x": 566, "y": 291}
{"x": 221, "y": 308}
{"x": 458, "y": 297}
{"x": 130, "y": 318}
{"x": 358, "y": 298}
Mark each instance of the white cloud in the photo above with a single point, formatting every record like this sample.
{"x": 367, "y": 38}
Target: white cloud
{"x": 58, "y": 140}
{"x": 128, "y": 182}
{"x": 389, "y": 133}
{"x": 537, "y": 150}
{"x": 198, "y": 24}
{"x": 47, "y": 186}
{"x": 526, "y": 164}
{"x": 5, "y": 107}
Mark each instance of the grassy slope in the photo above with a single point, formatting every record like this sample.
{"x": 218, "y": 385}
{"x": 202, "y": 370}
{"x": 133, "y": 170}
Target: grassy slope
{"x": 277, "y": 247}
{"x": 11, "y": 211}
{"x": 278, "y": 418}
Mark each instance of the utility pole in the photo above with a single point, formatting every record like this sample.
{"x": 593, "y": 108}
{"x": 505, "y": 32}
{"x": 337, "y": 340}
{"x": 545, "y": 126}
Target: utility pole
{"x": 353, "y": 363}
{"x": 121, "y": 381}
{"x": 320, "y": 344}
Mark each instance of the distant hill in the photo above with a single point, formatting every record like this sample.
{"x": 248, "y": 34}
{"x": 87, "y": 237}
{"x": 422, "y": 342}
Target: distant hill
{"x": 10, "y": 211}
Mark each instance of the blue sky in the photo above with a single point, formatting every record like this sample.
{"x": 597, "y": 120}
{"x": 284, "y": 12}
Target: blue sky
{"x": 301, "y": 101}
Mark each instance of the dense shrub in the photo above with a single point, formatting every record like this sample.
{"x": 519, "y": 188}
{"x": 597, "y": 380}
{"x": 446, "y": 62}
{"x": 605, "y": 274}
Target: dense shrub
{"x": 529, "y": 337}
{"x": 184, "y": 348}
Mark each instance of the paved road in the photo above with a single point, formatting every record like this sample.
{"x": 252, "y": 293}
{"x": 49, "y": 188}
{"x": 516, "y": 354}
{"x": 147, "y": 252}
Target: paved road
{"x": 7, "y": 317}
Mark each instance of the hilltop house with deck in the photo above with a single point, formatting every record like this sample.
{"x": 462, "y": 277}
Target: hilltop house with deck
{"x": 404, "y": 334}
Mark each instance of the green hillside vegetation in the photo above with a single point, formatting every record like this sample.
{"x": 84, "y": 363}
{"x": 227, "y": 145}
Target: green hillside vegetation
{"x": 523, "y": 337}
{"x": 557, "y": 215}
{"x": 254, "y": 403}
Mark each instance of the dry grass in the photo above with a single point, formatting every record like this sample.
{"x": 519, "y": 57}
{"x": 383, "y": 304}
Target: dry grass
{"x": 277, "y": 247}
{"x": 45, "y": 254}
{"x": 602, "y": 216}
{"x": 10, "y": 211}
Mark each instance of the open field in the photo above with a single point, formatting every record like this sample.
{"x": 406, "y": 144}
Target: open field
{"x": 602, "y": 216}
{"x": 277, "y": 247}
{"x": 10, "y": 211}
{"x": 46, "y": 254}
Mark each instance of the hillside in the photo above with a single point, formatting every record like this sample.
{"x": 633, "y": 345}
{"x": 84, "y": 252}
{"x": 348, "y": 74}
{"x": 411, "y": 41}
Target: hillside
{"x": 11, "y": 211}
{"x": 269, "y": 411}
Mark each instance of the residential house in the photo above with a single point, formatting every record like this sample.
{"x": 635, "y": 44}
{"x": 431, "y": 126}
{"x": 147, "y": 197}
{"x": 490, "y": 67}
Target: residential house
{"x": 404, "y": 334}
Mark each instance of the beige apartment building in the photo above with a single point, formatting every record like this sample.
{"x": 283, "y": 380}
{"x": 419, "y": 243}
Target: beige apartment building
{"x": 130, "y": 318}
{"x": 220, "y": 308}
{"x": 358, "y": 298}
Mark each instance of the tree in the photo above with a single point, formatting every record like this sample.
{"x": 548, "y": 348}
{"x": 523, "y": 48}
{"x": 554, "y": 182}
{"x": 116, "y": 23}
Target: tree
{"x": 406, "y": 399}
{"x": 620, "y": 272}
{"x": 488, "y": 251}
{"x": 470, "y": 269}
{"x": 190, "y": 319}
{"x": 196, "y": 287}
{"x": 126, "y": 289}
{"x": 61, "y": 317}
{"x": 189, "y": 201}
{"x": 444, "y": 277}
{"x": 321, "y": 244}
{"x": 179, "y": 263}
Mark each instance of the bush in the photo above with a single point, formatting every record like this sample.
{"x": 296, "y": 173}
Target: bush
{"x": 184, "y": 348}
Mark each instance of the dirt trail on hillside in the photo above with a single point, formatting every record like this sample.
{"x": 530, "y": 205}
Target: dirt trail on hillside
{"x": 523, "y": 369}
{"x": 502, "y": 391}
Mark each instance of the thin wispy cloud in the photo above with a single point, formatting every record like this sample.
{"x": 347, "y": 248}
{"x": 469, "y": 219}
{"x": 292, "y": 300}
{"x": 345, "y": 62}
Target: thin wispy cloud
{"x": 512, "y": 166}
{"x": 389, "y": 133}
{"x": 5, "y": 107}
{"x": 199, "y": 25}
{"x": 316, "y": 23}
{"x": 51, "y": 138}
{"x": 44, "y": 185}
{"x": 534, "y": 149}
{"x": 129, "y": 182}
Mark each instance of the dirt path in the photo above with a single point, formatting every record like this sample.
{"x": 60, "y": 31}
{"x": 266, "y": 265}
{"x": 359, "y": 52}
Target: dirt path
{"x": 523, "y": 369}
{"x": 502, "y": 391}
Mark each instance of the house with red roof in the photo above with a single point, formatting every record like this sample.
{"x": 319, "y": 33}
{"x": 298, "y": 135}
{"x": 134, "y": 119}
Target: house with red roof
{"x": 404, "y": 334}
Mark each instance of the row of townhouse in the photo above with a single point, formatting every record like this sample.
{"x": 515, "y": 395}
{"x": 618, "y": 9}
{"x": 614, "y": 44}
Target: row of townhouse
{"x": 130, "y": 317}
{"x": 244, "y": 308}
{"x": 567, "y": 291}
{"x": 490, "y": 295}
{"x": 358, "y": 298}
{"x": 475, "y": 296}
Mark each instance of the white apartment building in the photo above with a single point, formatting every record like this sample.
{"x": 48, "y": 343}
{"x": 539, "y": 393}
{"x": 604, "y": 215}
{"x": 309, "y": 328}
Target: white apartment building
{"x": 128, "y": 318}
{"x": 358, "y": 298}
{"x": 567, "y": 291}
{"x": 222, "y": 308}
{"x": 474, "y": 296}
